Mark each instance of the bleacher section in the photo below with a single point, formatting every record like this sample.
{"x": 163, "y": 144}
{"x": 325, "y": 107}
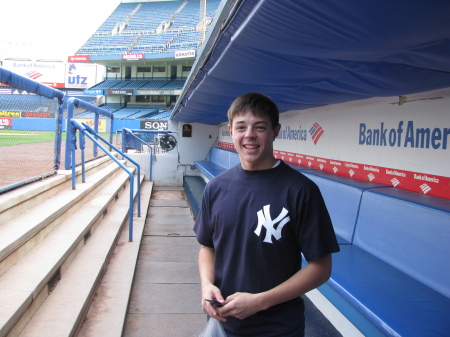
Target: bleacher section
{"x": 140, "y": 35}
{"x": 24, "y": 103}
{"x": 119, "y": 15}
{"x": 150, "y": 15}
{"x": 33, "y": 103}
{"x": 140, "y": 84}
{"x": 133, "y": 111}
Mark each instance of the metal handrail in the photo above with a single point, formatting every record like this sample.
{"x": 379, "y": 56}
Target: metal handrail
{"x": 125, "y": 131}
{"x": 86, "y": 130}
{"x": 71, "y": 104}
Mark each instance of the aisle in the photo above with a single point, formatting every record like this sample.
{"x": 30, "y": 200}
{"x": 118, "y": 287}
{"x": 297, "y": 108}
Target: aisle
{"x": 165, "y": 299}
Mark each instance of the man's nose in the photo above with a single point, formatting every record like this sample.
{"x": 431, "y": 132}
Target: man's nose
{"x": 250, "y": 132}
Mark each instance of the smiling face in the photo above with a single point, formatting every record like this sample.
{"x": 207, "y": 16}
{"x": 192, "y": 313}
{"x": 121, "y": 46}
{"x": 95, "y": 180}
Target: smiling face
{"x": 253, "y": 137}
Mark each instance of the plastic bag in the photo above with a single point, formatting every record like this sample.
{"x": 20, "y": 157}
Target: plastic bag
{"x": 213, "y": 329}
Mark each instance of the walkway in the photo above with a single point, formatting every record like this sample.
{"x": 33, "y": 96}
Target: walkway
{"x": 165, "y": 298}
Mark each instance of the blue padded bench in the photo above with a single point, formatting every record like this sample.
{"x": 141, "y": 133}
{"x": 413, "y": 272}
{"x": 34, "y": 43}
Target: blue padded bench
{"x": 342, "y": 197}
{"x": 194, "y": 186}
{"x": 394, "y": 279}
{"x": 219, "y": 161}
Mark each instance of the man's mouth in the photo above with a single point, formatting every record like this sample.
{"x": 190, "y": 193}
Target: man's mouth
{"x": 251, "y": 146}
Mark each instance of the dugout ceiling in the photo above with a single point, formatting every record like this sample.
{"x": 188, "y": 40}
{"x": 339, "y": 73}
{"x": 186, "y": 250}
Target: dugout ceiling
{"x": 305, "y": 54}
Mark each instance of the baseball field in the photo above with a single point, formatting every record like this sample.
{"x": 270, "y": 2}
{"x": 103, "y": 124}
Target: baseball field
{"x": 26, "y": 154}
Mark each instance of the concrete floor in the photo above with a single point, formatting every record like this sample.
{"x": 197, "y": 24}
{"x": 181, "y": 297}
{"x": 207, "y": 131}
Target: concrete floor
{"x": 165, "y": 298}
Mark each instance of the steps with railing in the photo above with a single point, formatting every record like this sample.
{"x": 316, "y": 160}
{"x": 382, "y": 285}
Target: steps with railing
{"x": 55, "y": 245}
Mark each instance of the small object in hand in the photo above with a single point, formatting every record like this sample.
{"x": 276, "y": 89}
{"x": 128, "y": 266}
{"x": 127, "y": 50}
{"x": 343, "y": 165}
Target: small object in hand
{"x": 215, "y": 303}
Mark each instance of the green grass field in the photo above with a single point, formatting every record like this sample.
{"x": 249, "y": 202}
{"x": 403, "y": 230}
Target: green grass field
{"x": 16, "y": 137}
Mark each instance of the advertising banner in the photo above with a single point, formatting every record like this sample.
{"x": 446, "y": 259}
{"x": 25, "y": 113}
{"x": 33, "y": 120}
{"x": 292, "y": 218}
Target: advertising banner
{"x": 80, "y": 76}
{"x": 6, "y": 123}
{"x": 120, "y": 92}
{"x": 91, "y": 123}
{"x": 93, "y": 92}
{"x": 132, "y": 57}
{"x": 155, "y": 125}
{"x": 159, "y": 92}
{"x": 48, "y": 73}
{"x": 12, "y": 114}
{"x": 184, "y": 54}
{"x": 38, "y": 115}
{"x": 79, "y": 58}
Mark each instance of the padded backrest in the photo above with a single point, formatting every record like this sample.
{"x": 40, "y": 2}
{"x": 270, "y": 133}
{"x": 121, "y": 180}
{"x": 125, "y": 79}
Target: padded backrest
{"x": 234, "y": 159}
{"x": 342, "y": 197}
{"x": 409, "y": 231}
{"x": 220, "y": 157}
{"x": 224, "y": 157}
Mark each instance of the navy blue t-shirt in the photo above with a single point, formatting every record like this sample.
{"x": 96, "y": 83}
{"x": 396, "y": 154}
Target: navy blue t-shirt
{"x": 258, "y": 223}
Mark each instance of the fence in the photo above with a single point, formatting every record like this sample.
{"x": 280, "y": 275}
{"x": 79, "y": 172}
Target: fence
{"x": 31, "y": 131}
{"x": 30, "y": 122}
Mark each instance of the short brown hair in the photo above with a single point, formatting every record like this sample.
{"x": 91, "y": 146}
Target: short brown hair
{"x": 259, "y": 104}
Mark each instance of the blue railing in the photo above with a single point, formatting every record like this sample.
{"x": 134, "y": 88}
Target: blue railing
{"x": 86, "y": 130}
{"x": 130, "y": 133}
{"x": 73, "y": 103}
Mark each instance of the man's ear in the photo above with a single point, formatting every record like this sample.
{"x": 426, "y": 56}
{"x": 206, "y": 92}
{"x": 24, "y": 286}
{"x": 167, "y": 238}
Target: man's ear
{"x": 229, "y": 129}
{"x": 276, "y": 131}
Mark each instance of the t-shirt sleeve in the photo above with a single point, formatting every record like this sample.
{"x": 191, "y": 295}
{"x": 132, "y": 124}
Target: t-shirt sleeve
{"x": 202, "y": 227}
{"x": 316, "y": 235}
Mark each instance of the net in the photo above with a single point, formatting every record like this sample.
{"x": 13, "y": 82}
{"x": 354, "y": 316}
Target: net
{"x": 27, "y": 137}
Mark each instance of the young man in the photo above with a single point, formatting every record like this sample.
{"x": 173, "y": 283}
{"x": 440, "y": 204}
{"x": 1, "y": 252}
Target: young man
{"x": 255, "y": 221}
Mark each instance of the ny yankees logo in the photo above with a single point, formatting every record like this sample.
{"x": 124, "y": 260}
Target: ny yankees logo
{"x": 264, "y": 219}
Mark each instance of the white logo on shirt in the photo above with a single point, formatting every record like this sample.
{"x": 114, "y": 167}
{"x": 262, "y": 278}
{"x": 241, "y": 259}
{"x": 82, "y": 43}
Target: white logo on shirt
{"x": 264, "y": 219}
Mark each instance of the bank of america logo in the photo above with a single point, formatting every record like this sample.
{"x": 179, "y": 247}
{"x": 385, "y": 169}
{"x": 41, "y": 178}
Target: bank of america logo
{"x": 395, "y": 182}
{"x": 316, "y": 132}
{"x": 33, "y": 75}
{"x": 425, "y": 188}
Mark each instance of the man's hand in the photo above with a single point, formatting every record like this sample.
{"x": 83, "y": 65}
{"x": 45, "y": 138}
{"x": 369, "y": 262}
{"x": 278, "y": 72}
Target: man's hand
{"x": 212, "y": 292}
{"x": 240, "y": 305}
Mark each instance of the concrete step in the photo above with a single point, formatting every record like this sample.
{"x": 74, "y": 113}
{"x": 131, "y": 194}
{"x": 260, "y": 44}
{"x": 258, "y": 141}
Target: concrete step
{"x": 106, "y": 316}
{"x": 20, "y": 234}
{"x": 17, "y": 201}
{"x": 25, "y": 285}
{"x": 66, "y": 307}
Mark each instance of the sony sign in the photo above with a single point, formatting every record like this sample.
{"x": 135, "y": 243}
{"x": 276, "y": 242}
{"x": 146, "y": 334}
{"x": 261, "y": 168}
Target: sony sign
{"x": 155, "y": 125}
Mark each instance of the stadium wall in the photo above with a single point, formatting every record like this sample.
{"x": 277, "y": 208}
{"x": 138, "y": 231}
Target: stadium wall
{"x": 397, "y": 141}
{"x": 34, "y": 124}
{"x": 49, "y": 124}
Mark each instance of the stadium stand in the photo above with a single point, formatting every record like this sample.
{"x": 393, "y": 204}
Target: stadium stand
{"x": 27, "y": 103}
{"x": 142, "y": 33}
{"x": 24, "y": 103}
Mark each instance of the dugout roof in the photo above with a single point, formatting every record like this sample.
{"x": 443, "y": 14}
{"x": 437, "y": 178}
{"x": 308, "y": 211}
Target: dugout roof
{"x": 306, "y": 54}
